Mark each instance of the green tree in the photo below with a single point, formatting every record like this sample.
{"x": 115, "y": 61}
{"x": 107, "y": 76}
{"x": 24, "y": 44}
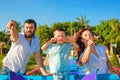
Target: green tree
{"x": 43, "y": 32}
{"x": 18, "y": 26}
{"x": 2, "y": 34}
{"x": 5, "y": 39}
{"x": 82, "y": 20}
{"x": 109, "y": 31}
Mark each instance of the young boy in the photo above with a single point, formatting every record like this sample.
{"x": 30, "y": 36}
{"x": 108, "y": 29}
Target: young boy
{"x": 58, "y": 49}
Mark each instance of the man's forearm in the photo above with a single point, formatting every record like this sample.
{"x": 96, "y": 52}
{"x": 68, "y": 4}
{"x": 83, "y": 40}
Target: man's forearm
{"x": 14, "y": 34}
{"x": 38, "y": 59}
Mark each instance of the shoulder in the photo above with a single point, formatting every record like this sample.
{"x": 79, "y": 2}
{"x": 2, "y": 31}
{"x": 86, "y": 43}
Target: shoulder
{"x": 35, "y": 36}
{"x": 21, "y": 35}
{"x": 66, "y": 43}
{"x": 101, "y": 48}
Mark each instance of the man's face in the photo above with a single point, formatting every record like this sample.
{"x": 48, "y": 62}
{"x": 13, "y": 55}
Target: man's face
{"x": 29, "y": 29}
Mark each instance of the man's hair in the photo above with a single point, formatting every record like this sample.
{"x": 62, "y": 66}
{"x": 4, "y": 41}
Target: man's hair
{"x": 31, "y": 21}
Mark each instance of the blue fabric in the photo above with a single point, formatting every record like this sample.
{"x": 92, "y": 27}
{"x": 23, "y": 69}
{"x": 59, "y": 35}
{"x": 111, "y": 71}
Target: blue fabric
{"x": 58, "y": 56}
{"x": 107, "y": 77}
{"x": 72, "y": 77}
{"x": 15, "y": 76}
{"x": 91, "y": 76}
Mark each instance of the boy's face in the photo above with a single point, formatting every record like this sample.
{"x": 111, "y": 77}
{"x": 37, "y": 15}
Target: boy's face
{"x": 60, "y": 36}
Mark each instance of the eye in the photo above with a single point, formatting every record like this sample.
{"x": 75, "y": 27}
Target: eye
{"x": 26, "y": 27}
{"x": 85, "y": 35}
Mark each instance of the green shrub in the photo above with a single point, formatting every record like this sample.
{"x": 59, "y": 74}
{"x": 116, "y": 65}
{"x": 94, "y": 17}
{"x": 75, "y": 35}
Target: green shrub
{"x": 1, "y": 59}
{"x": 114, "y": 60}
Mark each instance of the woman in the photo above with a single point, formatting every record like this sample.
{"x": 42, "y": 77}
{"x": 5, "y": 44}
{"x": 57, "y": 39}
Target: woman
{"x": 91, "y": 55}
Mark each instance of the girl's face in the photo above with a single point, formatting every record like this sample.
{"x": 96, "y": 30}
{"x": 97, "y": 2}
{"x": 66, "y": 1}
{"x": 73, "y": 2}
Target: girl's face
{"x": 86, "y": 36}
{"x": 60, "y": 36}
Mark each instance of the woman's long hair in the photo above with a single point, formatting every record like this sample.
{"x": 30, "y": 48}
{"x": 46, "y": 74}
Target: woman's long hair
{"x": 78, "y": 37}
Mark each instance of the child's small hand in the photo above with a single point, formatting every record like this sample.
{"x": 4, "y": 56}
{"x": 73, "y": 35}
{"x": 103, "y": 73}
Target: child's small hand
{"x": 52, "y": 40}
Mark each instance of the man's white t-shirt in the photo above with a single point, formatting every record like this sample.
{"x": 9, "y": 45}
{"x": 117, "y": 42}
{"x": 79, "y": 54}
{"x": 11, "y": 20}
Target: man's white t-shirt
{"x": 20, "y": 52}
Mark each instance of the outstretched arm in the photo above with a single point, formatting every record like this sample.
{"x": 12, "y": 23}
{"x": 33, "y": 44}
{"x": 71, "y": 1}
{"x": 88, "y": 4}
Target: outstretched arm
{"x": 13, "y": 31}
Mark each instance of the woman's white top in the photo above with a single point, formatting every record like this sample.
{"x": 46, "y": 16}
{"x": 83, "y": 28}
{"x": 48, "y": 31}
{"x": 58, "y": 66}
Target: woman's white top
{"x": 95, "y": 63}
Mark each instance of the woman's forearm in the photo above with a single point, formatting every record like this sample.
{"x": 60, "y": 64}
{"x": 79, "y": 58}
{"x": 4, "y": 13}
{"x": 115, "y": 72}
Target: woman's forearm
{"x": 86, "y": 55}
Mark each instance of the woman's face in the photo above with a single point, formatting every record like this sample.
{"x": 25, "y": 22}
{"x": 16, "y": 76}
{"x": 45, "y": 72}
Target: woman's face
{"x": 86, "y": 36}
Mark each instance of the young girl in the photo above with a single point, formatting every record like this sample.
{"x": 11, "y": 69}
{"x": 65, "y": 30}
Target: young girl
{"x": 58, "y": 49}
{"x": 91, "y": 55}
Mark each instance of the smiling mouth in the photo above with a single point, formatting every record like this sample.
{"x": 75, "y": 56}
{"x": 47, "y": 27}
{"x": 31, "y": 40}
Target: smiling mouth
{"x": 29, "y": 32}
{"x": 61, "y": 40}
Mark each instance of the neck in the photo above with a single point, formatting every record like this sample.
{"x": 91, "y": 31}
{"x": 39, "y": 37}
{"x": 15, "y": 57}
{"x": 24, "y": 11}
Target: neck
{"x": 29, "y": 39}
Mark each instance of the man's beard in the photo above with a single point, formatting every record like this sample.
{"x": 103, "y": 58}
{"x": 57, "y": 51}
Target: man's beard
{"x": 29, "y": 36}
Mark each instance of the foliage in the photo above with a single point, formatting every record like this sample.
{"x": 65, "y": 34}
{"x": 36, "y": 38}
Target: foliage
{"x": 1, "y": 59}
{"x": 114, "y": 60}
{"x": 43, "y": 32}
{"x": 118, "y": 47}
{"x": 2, "y": 34}
{"x": 82, "y": 20}
{"x": 31, "y": 61}
{"x": 4, "y": 42}
{"x": 31, "y": 65}
{"x": 64, "y": 25}
{"x": 18, "y": 26}
{"x": 108, "y": 30}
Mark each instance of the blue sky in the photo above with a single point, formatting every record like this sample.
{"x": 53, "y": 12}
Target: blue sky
{"x": 50, "y": 11}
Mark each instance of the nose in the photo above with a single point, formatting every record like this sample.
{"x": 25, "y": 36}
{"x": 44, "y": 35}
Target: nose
{"x": 29, "y": 29}
{"x": 60, "y": 37}
{"x": 89, "y": 36}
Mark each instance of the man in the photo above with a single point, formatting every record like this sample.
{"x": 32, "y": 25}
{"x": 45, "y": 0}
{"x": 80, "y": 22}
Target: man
{"x": 23, "y": 46}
